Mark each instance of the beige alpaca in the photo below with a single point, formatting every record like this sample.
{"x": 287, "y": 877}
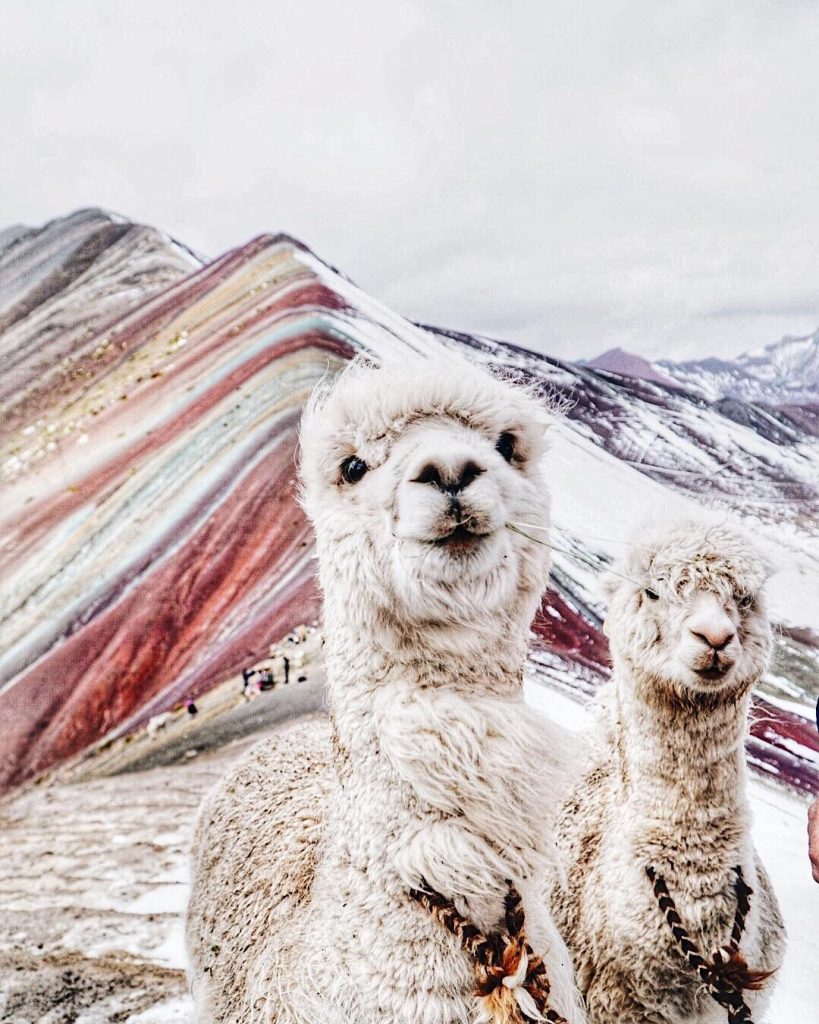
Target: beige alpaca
{"x": 666, "y": 787}
{"x": 431, "y": 769}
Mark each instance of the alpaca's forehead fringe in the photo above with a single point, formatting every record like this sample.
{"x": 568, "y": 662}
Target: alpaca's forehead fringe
{"x": 693, "y": 556}
{"x": 367, "y": 404}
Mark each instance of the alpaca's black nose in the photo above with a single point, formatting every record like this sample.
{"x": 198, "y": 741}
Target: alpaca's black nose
{"x": 450, "y": 478}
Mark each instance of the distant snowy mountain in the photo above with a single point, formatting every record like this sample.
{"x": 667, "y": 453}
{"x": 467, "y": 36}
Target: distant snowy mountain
{"x": 151, "y": 544}
{"x": 783, "y": 373}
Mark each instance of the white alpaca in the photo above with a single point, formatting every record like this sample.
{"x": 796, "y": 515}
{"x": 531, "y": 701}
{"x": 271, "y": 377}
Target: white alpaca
{"x": 663, "y": 803}
{"x": 432, "y": 772}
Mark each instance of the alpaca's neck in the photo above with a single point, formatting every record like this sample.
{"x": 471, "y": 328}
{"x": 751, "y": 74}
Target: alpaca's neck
{"x": 681, "y": 760}
{"x": 361, "y": 660}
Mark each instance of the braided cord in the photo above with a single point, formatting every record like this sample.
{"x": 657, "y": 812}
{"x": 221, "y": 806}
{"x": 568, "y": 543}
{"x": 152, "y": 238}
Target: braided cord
{"x": 479, "y": 946}
{"x": 496, "y": 955}
{"x": 744, "y": 893}
{"x": 723, "y": 990}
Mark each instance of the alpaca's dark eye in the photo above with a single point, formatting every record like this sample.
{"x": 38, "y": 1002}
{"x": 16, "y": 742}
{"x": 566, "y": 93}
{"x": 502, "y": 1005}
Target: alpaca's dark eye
{"x": 353, "y": 469}
{"x": 652, "y": 595}
{"x": 746, "y": 601}
{"x": 505, "y": 446}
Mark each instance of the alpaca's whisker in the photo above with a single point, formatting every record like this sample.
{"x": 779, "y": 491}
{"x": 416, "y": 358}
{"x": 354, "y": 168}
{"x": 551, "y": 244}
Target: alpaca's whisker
{"x": 586, "y": 537}
{"x": 591, "y": 562}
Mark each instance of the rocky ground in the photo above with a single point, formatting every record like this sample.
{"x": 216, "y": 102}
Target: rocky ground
{"x": 94, "y": 866}
{"x": 92, "y": 882}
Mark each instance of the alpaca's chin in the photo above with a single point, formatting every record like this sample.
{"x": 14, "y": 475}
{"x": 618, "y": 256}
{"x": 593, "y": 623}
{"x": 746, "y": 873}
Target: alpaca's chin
{"x": 461, "y": 548}
{"x": 735, "y": 682}
{"x": 732, "y": 680}
{"x": 709, "y": 681}
{"x": 436, "y": 582}
{"x": 459, "y": 555}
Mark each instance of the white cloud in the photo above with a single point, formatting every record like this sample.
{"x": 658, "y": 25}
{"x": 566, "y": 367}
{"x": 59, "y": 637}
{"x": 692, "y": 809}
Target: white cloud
{"x": 569, "y": 175}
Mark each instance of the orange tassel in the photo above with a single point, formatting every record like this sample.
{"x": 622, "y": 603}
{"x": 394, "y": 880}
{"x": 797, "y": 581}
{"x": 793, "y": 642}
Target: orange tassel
{"x": 739, "y": 975}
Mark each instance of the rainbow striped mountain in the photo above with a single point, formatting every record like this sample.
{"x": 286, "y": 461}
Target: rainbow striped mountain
{"x": 150, "y": 541}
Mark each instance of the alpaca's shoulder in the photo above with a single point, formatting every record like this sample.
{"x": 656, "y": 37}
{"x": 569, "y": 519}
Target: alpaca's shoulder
{"x": 283, "y": 757}
{"x": 277, "y": 782}
{"x": 587, "y": 810}
{"x": 254, "y": 858}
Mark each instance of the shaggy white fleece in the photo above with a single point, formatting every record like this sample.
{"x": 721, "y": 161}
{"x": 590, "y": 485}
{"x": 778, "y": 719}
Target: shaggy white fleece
{"x": 666, "y": 786}
{"x": 434, "y": 771}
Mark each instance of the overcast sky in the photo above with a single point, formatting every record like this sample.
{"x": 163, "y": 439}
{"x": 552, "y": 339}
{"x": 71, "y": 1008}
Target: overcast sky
{"x": 570, "y": 175}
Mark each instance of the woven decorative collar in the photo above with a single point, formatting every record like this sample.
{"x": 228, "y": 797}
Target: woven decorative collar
{"x": 511, "y": 981}
{"x": 726, "y": 974}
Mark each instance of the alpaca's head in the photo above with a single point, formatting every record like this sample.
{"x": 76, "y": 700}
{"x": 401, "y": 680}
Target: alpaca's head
{"x": 691, "y": 612}
{"x": 410, "y": 474}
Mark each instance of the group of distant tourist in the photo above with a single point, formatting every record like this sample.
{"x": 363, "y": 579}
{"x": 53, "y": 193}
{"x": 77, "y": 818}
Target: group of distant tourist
{"x": 290, "y": 654}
